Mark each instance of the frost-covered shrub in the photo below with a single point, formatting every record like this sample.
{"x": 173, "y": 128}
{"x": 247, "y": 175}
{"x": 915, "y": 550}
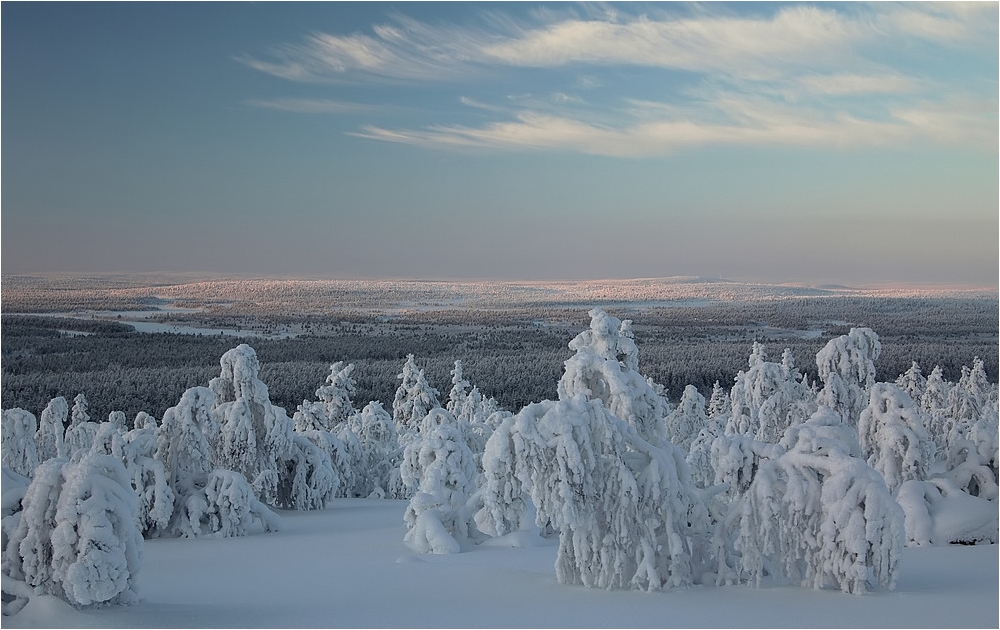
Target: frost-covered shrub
{"x": 77, "y": 537}
{"x": 893, "y": 438}
{"x": 440, "y": 470}
{"x": 938, "y": 512}
{"x": 971, "y": 463}
{"x": 847, "y": 368}
{"x": 226, "y": 507}
{"x": 51, "y": 433}
{"x": 18, "y": 448}
{"x": 819, "y": 516}
{"x": 626, "y": 511}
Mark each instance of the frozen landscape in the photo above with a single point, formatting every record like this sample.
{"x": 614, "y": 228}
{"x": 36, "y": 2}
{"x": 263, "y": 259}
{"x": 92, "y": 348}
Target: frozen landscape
{"x": 799, "y": 494}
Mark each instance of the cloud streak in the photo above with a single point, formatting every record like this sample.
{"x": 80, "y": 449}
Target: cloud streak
{"x": 799, "y": 76}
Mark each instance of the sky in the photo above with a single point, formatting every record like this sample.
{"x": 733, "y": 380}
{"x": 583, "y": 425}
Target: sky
{"x": 853, "y": 143}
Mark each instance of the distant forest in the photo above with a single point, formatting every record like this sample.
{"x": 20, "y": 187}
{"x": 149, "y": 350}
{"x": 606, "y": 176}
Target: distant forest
{"x": 514, "y": 356}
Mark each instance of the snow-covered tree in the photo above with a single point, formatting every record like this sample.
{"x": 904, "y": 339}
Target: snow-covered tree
{"x": 308, "y": 480}
{"x": 719, "y": 404}
{"x": 819, "y": 516}
{"x": 336, "y": 394}
{"x": 77, "y": 537}
{"x": 78, "y": 415}
{"x": 768, "y": 398}
{"x": 459, "y": 391}
{"x": 934, "y": 402}
{"x": 626, "y": 511}
{"x": 913, "y": 382}
{"x": 18, "y": 449}
{"x": 501, "y": 492}
{"x": 227, "y": 507}
{"x": 971, "y": 462}
{"x": 687, "y": 419}
{"x": 377, "y": 435}
{"x": 147, "y": 476}
{"x": 414, "y": 398}
{"x": 255, "y": 436}
{"x": 184, "y": 442}
{"x": 893, "y": 438}
{"x": 51, "y": 433}
{"x": 604, "y": 367}
{"x": 847, "y": 368}
{"x": 440, "y": 468}
{"x": 699, "y": 457}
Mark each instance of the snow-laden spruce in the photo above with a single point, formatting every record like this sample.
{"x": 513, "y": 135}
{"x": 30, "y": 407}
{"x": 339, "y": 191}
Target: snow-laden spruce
{"x": 76, "y": 537}
{"x": 414, "y": 397}
{"x": 626, "y": 511}
{"x": 846, "y": 367}
{"x": 51, "y": 433}
{"x": 18, "y": 448}
{"x": 440, "y": 470}
{"x": 769, "y": 397}
{"x": 819, "y": 516}
{"x": 893, "y": 438}
{"x": 255, "y": 436}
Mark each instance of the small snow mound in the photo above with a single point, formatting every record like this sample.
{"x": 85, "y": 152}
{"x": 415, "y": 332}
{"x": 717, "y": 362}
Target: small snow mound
{"x": 517, "y": 540}
{"x": 409, "y": 558}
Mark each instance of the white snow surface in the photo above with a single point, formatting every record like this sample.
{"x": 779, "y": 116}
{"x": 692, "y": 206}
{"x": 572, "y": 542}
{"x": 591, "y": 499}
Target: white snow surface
{"x": 347, "y": 566}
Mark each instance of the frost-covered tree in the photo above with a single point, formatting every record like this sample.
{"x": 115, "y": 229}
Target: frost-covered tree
{"x": 51, "y": 433}
{"x": 80, "y": 437}
{"x": 18, "y": 449}
{"x": 343, "y": 456}
{"x": 255, "y": 436}
{"x": 459, "y": 391}
{"x": 79, "y": 415}
{"x": 847, "y": 368}
{"x": 768, "y": 398}
{"x": 77, "y": 537}
{"x": 687, "y": 419}
{"x": 699, "y": 457}
{"x": 819, "y": 516}
{"x": 501, "y": 492}
{"x": 336, "y": 394}
{"x": 626, "y": 511}
{"x": 414, "y": 397}
{"x": 604, "y": 367}
{"x": 227, "y": 507}
{"x": 893, "y": 438}
{"x": 971, "y": 462}
{"x": 736, "y": 459}
{"x": 440, "y": 468}
{"x": 308, "y": 480}
{"x": 913, "y": 382}
{"x": 719, "y": 404}
{"x": 377, "y": 435}
{"x": 184, "y": 441}
{"x": 147, "y": 475}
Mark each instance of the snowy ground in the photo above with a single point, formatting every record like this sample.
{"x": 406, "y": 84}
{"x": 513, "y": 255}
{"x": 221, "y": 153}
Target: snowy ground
{"x": 347, "y": 566}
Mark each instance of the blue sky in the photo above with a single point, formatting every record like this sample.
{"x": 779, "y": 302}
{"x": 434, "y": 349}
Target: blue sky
{"x": 818, "y": 143}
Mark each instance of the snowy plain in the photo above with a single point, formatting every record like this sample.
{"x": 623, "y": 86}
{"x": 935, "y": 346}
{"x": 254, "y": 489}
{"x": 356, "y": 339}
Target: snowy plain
{"x": 347, "y": 566}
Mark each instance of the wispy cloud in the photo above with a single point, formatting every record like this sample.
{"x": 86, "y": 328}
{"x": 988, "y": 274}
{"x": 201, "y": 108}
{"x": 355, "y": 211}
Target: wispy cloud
{"x": 314, "y": 106}
{"x": 801, "y": 75}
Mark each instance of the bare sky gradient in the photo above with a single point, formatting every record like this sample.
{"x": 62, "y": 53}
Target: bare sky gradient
{"x": 817, "y": 143}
